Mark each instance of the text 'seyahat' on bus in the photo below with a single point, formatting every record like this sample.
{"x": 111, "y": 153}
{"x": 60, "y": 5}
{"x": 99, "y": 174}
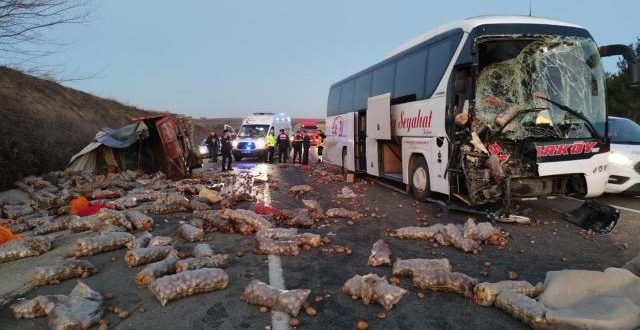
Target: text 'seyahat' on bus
{"x": 482, "y": 110}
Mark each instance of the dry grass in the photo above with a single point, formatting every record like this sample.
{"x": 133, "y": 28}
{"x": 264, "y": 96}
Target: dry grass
{"x": 43, "y": 123}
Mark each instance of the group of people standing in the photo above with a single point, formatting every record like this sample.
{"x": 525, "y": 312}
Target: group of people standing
{"x": 215, "y": 143}
{"x": 301, "y": 143}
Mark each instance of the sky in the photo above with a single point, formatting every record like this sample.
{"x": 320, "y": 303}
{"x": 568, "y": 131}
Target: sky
{"x": 231, "y": 58}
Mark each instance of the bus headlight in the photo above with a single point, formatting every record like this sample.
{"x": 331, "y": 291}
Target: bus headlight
{"x": 260, "y": 144}
{"x": 618, "y": 159}
{"x": 234, "y": 143}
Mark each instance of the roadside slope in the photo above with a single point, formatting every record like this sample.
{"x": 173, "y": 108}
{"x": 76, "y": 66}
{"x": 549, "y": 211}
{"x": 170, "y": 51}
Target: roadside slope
{"x": 43, "y": 123}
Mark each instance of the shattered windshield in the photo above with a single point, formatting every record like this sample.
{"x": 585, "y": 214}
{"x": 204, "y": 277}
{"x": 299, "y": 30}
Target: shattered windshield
{"x": 253, "y": 131}
{"x": 543, "y": 87}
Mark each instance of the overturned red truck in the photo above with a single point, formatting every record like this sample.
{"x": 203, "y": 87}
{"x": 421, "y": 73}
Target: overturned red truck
{"x": 159, "y": 142}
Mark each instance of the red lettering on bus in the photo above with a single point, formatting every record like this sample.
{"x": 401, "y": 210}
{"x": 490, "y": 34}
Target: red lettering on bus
{"x": 417, "y": 121}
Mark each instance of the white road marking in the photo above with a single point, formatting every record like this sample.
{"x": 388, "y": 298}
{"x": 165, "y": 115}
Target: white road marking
{"x": 279, "y": 320}
{"x": 616, "y": 206}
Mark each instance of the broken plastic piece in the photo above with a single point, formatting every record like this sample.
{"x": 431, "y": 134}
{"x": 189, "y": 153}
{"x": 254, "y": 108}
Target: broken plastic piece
{"x": 380, "y": 254}
{"x": 287, "y": 301}
{"x": 93, "y": 245}
{"x": 188, "y": 283}
{"x": 65, "y": 270}
{"x": 512, "y": 218}
{"x": 445, "y": 281}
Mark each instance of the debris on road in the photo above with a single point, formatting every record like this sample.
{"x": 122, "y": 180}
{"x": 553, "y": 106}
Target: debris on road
{"x": 188, "y": 283}
{"x": 342, "y": 213}
{"x": 286, "y": 301}
{"x": 89, "y": 246}
{"x": 346, "y": 192}
{"x": 24, "y": 247}
{"x": 202, "y": 250}
{"x": 141, "y": 256}
{"x": 215, "y": 261}
{"x": 142, "y": 241}
{"x": 160, "y": 241}
{"x": 380, "y": 254}
{"x": 512, "y": 218}
{"x": 521, "y": 307}
{"x": 408, "y": 267}
{"x": 298, "y": 191}
{"x": 247, "y": 218}
{"x": 81, "y": 309}
{"x": 445, "y": 281}
{"x": 140, "y": 221}
{"x": 114, "y": 217}
{"x": 54, "y": 274}
{"x": 373, "y": 288}
{"x": 191, "y": 233}
{"x": 485, "y": 294}
{"x": 150, "y": 272}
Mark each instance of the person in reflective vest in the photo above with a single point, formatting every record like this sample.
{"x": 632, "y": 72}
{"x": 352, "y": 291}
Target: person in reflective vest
{"x": 282, "y": 143}
{"x": 297, "y": 147}
{"x": 321, "y": 137}
{"x": 271, "y": 146}
{"x": 306, "y": 144}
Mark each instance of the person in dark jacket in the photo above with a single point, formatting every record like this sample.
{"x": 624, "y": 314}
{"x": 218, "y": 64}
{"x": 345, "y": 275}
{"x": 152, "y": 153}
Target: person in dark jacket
{"x": 306, "y": 144}
{"x": 296, "y": 145}
{"x": 226, "y": 151}
{"x": 213, "y": 144}
{"x": 321, "y": 144}
{"x": 282, "y": 143}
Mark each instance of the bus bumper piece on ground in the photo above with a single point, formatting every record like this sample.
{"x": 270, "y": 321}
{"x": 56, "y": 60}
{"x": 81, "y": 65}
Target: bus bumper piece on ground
{"x": 491, "y": 216}
{"x": 597, "y": 216}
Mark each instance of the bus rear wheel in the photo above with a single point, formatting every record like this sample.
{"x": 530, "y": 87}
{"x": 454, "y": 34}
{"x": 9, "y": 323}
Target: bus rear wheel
{"x": 419, "y": 179}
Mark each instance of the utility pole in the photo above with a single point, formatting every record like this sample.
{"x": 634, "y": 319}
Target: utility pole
{"x": 530, "y": 8}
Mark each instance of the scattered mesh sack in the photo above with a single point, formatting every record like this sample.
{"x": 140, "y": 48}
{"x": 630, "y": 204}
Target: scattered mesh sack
{"x": 484, "y": 294}
{"x": 150, "y": 272}
{"x": 139, "y": 220}
{"x": 81, "y": 309}
{"x": 105, "y": 194}
{"x": 300, "y": 190}
{"x": 64, "y": 270}
{"x": 197, "y": 205}
{"x": 284, "y": 248}
{"x": 380, "y": 254}
{"x": 479, "y": 232}
{"x": 342, "y": 213}
{"x": 141, "y": 256}
{"x": 313, "y": 207}
{"x": 286, "y": 301}
{"x": 16, "y": 211}
{"x": 202, "y": 250}
{"x": 445, "y": 281}
{"x": 210, "y": 195}
{"x": 346, "y": 192}
{"x": 24, "y": 247}
{"x": 213, "y": 221}
{"x": 300, "y": 218}
{"x": 108, "y": 228}
{"x": 123, "y": 203}
{"x": 408, "y": 267}
{"x": 39, "y": 306}
{"x": 159, "y": 241}
{"x": 172, "y": 203}
{"x": 20, "y": 228}
{"x": 418, "y": 233}
{"x": 523, "y": 308}
{"x": 454, "y": 236}
{"x": 141, "y": 241}
{"x": 190, "y": 233}
{"x": 79, "y": 224}
{"x": 313, "y": 240}
{"x": 247, "y": 217}
{"x": 51, "y": 227}
{"x": 116, "y": 218}
{"x": 633, "y": 265}
{"x": 216, "y": 261}
{"x": 373, "y": 288}
{"x": 197, "y": 222}
{"x": 188, "y": 283}
{"x": 93, "y": 245}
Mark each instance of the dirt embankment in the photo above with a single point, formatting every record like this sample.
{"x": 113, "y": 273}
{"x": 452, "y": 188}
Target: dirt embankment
{"x": 42, "y": 123}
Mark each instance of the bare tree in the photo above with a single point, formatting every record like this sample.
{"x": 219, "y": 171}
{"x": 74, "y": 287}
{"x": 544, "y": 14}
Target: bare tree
{"x": 23, "y": 25}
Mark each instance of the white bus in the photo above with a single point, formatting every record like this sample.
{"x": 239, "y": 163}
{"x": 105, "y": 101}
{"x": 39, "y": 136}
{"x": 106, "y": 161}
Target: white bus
{"x": 482, "y": 110}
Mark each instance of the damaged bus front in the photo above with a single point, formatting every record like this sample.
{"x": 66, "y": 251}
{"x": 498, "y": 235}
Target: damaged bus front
{"x": 529, "y": 109}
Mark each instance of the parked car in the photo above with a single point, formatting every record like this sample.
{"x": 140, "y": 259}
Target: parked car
{"x": 624, "y": 160}
{"x": 204, "y": 150}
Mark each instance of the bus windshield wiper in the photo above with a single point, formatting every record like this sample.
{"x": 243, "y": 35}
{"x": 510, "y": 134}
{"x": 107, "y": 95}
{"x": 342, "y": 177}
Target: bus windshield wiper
{"x": 563, "y": 107}
{"x": 520, "y": 113}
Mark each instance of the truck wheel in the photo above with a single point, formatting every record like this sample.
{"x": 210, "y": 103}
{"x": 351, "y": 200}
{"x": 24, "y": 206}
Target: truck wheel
{"x": 419, "y": 179}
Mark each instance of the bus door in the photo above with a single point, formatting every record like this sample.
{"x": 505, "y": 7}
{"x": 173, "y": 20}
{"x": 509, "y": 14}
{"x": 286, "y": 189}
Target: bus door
{"x": 360, "y": 141}
{"x": 378, "y": 134}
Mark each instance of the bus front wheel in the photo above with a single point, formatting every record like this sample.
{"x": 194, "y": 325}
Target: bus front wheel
{"x": 419, "y": 179}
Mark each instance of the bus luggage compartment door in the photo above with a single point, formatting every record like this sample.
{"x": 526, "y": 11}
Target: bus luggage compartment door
{"x": 379, "y": 117}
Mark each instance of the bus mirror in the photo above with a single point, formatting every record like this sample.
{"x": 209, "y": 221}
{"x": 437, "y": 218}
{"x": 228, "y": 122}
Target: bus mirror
{"x": 629, "y": 55}
{"x": 635, "y": 74}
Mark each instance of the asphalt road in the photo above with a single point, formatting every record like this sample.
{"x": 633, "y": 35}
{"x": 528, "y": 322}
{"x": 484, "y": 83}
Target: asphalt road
{"x": 549, "y": 244}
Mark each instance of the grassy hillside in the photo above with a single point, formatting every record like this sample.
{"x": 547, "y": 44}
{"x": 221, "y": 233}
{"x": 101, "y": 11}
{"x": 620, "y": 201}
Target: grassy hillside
{"x": 43, "y": 123}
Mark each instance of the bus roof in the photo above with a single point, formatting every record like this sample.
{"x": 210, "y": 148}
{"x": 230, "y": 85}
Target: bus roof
{"x": 468, "y": 24}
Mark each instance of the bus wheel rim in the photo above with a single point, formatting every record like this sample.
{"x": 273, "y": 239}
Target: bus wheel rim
{"x": 420, "y": 179}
